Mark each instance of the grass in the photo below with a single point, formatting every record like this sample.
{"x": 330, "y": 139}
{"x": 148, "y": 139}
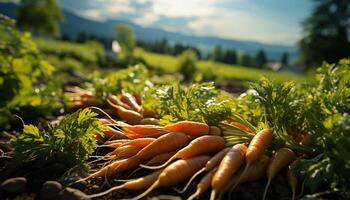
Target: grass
{"x": 223, "y": 73}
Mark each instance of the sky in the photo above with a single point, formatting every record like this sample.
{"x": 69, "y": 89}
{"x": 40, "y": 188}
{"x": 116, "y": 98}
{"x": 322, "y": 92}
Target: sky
{"x": 267, "y": 21}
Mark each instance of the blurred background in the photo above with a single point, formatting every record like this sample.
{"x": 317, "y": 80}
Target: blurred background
{"x": 227, "y": 41}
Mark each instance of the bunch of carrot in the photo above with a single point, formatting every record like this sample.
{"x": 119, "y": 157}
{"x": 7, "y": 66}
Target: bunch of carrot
{"x": 190, "y": 149}
{"x": 126, "y": 106}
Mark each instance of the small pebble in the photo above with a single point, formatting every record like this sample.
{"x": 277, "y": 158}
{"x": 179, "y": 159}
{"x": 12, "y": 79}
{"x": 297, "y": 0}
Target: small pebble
{"x": 14, "y": 185}
{"x": 50, "y": 190}
{"x": 73, "y": 194}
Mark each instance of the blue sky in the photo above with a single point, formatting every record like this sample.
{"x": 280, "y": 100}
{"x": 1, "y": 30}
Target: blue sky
{"x": 268, "y": 21}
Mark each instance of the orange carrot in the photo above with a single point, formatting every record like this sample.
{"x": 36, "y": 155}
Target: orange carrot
{"x": 129, "y": 116}
{"x": 150, "y": 120}
{"x": 114, "y": 99}
{"x": 280, "y": 159}
{"x": 255, "y": 172}
{"x": 241, "y": 126}
{"x": 292, "y": 181}
{"x": 191, "y": 128}
{"x": 144, "y": 130}
{"x": 176, "y": 173}
{"x": 138, "y": 98}
{"x": 125, "y": 151}
{"x": 149, "y": 113}
{"x": 137, "y": 184}
{"x": 204, "y": 184}
{"x": 115, "y": 167}
{"x": 136, "y": 144}
{"x": 214, "y": 130}
{"x": 113, "y": 134}
{"x": 165, "y": 143}
{"x": 131, "y": 101}
{"x": 115, "y": 143}
{"x": 161, "y": 158}
{"x": 211, "y": 164}
{"x": 202, "y": 145}
{"x": 256, "y": 148}
{"x": 228, "y": 166}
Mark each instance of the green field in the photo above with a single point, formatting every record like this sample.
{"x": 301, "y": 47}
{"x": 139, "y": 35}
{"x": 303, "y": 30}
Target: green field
{"x": 223, "y": 73}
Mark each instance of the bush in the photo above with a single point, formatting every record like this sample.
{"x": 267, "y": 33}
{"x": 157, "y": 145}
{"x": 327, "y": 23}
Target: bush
{"x": 187, "y": 64}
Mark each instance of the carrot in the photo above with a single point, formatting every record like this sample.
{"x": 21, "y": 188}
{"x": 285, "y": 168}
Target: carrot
{"x": 201, "y": 145}
{"x": 138, "y": 143}
{"x": 114, "y": 99}
{"x": 156, "y": 160}
{"x": 212, "y": 163}
{"x": 115, "y": 167}
{"x": 133, "y": 145}
{"x": 176, "y": 173}
{"x": 136, "y": 184}
{"x": 191, "y": 128}
{"x": 255, "y": 172}
{"x": 113, "y": 134}
{"x": 144, "y": 130}
{"x": 256, "y": 149}
{"x": 150, "y": 121}
{"x": 292, "y": 181}
{"x": 148, "y": 113}
{"x": 125, "y": 151}
{"x": 129, "y": 116}
{"x": 120, "y": 141}
{"x": 280, "y": 159}
{"x": 165, "y": 143}
{"x": 214, "y": 130}
{"x": 241, "y": 126}
{"x": 161, "y": 158}
{"x": 228, "y": 166}
{"x": 138, "y": 98}
{"x": 114, "y": 143}
{"x": 130, "y": 101}
{"x": 204, "y": 184}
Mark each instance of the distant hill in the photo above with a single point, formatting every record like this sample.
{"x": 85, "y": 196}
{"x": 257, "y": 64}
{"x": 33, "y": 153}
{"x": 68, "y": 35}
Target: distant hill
{"x": 74, "y": 24}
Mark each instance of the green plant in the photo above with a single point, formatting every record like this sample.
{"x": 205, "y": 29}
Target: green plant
{"x": 21, "y": 72}
{"x": 72, "y": 137}
{"x": 198, "y": 102}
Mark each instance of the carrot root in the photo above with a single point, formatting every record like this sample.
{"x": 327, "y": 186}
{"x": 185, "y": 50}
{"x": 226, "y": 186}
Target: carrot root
{"x": 190, "y": 181}
{"x": 266, "y": 188}
{"x": 106, "y": 192}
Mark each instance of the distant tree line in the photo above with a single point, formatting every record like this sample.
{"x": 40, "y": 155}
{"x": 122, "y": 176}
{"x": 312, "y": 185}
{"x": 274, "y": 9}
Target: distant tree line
{"x": 164, "y": 47}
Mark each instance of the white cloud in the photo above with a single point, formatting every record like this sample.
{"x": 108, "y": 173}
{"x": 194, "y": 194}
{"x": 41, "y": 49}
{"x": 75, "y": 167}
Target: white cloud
{"x": 92, "y": 14}
{"x": 243, "y": 25}
{"x": 146, "y": 19}
{"x": 240, "y": 20}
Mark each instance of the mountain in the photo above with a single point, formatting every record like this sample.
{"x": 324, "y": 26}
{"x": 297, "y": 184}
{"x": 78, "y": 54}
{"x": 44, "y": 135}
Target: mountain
{"x": 74, "y": 24}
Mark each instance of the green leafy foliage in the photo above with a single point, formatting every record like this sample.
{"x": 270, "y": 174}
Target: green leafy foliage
{"x": 21, "y": 72}
{"x": 72, "y": 137}
{"x": 198, "y": 102}
{"x": 320, "y": 110}
{"x": 133, "y": 80}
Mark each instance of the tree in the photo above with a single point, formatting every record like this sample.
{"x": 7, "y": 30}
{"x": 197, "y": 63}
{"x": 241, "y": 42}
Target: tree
{"x": 230, "y": 57}
{"x": 187, "y": 64}
{"x": 82, "y": 37}
{"x": 40, "y": 16}
{"x": 246, "y": 60}
{"x": 284, "y": 59}
{"x": 326, "y": 36}
{"x": 260, "y": 59}
{"x": 217, "y": 53}
{"x": 127, "y": 40}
